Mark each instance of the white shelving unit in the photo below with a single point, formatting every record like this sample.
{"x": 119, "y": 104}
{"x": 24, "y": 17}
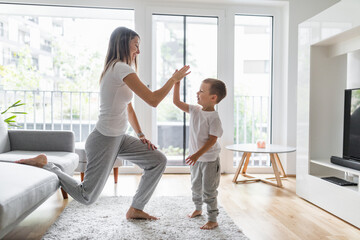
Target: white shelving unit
{"x": 329, "y": 63}
{"x": 325, "y": 163}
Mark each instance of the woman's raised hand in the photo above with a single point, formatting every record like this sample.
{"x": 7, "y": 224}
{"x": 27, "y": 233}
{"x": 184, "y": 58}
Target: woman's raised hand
{"x": 180, "y": 74}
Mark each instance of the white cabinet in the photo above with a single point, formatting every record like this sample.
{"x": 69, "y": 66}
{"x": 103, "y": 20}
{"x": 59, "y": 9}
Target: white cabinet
{"x": 329, "y": 63}
{"x": 324, "y": 168}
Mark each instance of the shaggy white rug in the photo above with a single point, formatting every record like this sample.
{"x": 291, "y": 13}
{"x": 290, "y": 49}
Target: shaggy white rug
{"x": 105, "y": 219}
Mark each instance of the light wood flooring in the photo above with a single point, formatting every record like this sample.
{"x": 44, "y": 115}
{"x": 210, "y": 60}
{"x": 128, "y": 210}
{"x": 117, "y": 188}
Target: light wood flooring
{"x": 261, "y": 210}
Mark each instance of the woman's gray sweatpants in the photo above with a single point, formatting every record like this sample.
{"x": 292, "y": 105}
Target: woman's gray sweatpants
{"x": 101, "y": 152}
{"x": 205, "y": 179}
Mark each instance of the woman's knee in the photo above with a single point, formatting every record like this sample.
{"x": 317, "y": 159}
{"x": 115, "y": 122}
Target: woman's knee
{"x": 161, "y": 158}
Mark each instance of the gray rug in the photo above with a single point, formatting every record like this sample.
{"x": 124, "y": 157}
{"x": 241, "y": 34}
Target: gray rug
{"x": 105, "y": 219}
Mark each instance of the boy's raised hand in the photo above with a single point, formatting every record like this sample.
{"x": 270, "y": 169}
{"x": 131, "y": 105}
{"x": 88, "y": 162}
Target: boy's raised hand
{"x": 176, "y": 98}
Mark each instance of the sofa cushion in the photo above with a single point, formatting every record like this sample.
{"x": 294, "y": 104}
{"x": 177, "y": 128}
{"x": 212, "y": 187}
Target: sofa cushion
{"x": 66, "y": 161}
{"x": 42, "y": 140}
{"x": 4, "y": 137}
{"x": 23, "y": 188}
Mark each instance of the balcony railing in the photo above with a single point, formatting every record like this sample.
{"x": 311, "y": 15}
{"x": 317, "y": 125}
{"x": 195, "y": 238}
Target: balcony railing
{"x": 55, "y": 110}
{"x": 252, "y": 123}
{"x": 78, "y": 112}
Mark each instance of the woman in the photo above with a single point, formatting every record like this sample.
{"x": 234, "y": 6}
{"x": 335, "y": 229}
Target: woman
{"x": 108, "y": 140}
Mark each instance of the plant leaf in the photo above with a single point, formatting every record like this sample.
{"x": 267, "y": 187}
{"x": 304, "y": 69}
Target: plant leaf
{"x": 17, "y": 105}
{"x": 10, "y": 118}
{"x": 19, "y": 112}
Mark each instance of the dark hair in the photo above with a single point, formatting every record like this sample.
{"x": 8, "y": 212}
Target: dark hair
{"x": 217, "y": 87}
{"x": 119, "y": 48}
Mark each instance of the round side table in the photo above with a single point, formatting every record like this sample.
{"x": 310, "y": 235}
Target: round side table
{"x": 270, "y": 149}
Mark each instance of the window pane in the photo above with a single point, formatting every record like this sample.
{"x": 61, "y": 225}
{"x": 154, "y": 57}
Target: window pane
{"x": 181, "y": 40}
{"x": 253, "y": 78}
{"x": 53, "y": 64}
{"x": 169, "y": 54}
{"x": 201, "y": 53}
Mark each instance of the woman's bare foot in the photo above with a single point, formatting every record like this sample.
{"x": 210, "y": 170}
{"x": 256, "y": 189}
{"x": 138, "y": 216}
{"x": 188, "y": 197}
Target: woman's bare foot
{"x": 38, "y": 161}
{"x": 134, "y": 213}
{"x": 210, "y": 225}
{"x": 195, "y": 214}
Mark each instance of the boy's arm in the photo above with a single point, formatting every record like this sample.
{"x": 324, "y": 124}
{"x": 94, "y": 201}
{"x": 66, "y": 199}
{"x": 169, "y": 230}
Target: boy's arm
{"x": 183, "y": 106}
{"x": 191, "y": 160}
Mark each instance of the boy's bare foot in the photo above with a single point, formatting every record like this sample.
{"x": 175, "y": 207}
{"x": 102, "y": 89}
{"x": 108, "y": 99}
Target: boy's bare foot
{"x": 134, "y": 213}
{"x": 210, "y": 225}
{"x": 38, "y": 161}
{"x": 195, "y": 214}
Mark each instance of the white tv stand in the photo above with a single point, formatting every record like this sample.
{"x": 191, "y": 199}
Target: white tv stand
{"x": 329, "y": 63}
{"x": 325, "y": 163}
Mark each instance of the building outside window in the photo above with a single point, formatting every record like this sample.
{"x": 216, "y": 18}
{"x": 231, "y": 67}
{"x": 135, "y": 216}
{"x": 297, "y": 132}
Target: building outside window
{"x": 2, "y": 29}
{"x": 53, "y": 64}
{"x": 24, "y": 37}
{"x": 32, "y": 19}
{"x": 35, "y": 62}
{"x": 45, "y": 45}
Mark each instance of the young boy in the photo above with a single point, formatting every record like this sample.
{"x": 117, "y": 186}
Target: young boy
{"x": 205, "y": 129}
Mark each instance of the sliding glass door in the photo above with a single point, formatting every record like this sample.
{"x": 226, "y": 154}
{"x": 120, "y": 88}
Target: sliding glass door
{"x": 180, "y": 40}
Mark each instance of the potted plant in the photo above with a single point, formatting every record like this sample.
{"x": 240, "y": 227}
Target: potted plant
{"x": 11, "y": 120}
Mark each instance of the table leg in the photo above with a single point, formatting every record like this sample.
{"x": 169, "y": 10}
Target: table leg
{"x": 245, "y": 160}
{"x": 280, "y": 165}
{"x": 276, "y": 171}
{"x": 248, "y": 155}
{"x": 239, "y": 167}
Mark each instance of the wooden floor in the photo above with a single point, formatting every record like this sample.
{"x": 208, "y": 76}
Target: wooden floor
{"x": 262, "y": 211}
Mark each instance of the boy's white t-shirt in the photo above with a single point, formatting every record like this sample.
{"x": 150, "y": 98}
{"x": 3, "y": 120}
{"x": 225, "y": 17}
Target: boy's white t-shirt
{"x": 203, "y": 124}
{"x": 115, "y": 95}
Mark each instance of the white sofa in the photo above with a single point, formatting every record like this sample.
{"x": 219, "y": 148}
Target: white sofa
{"x": 23, "y": 188}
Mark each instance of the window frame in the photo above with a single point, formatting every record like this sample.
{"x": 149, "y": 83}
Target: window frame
{"x": 225, "y": 70}
{"x": 220, "y": 14}
{"x": 279, "y": 96}
{"x": 154, "y": 83}
{"x": 270, "y": 113}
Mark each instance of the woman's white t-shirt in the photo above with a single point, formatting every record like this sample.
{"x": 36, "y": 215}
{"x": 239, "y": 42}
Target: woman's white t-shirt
{"x": 203, "y": 124}
{"x": 115, "y": 95}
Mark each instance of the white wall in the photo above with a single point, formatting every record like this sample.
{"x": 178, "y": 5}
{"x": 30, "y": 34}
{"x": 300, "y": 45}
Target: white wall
{"x": 299, "y": 11}
{"x": 353, "y": 69}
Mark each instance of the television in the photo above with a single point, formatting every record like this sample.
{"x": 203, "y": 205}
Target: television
{"x": 351, "y": 140}
{"x": 351, "y": 147}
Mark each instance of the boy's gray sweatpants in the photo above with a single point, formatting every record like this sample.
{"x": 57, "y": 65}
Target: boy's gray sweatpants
{"x": 205, "y": 179}
{"x": 101, "y": 152}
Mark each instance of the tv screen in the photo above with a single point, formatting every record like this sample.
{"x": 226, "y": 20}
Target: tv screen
{"x": 351, "y": 148}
